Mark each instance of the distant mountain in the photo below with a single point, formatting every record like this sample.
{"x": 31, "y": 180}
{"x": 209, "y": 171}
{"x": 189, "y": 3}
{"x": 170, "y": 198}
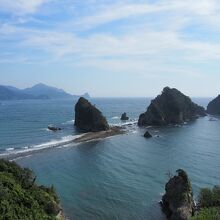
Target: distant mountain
{"x": 12, "y": 94}
{"x": 51, "y": 92}
{"x": 39, "y": 91}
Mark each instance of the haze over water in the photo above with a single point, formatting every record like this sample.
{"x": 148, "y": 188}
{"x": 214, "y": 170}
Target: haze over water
{"x": 121, "y": 177}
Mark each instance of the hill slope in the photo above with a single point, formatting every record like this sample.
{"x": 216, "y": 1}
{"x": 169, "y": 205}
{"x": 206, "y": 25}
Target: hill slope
{"x": 21, "y": 198}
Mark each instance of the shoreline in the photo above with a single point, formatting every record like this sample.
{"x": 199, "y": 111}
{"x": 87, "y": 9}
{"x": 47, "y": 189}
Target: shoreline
{"x": 82, "y": 138}
{"x": 90, "y": 136}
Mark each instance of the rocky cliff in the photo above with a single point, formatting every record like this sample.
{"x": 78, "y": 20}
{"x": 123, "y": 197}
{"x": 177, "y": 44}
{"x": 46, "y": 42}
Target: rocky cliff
{"x": 88, "y": 118}
{"x": 171, "y": 107}
{"x": 214, "y": 106}
{"x": 177, "y": 202}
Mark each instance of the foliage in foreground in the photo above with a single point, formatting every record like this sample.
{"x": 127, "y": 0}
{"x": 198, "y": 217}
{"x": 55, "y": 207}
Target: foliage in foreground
{"x": 21, "y": 198}
{"x": 209, "y": 204}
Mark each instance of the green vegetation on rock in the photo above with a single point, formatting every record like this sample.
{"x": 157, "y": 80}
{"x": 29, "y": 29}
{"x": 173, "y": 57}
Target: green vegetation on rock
{"x": 21, "y": 198}
{"x": 209, "y": 204}
{"x": 177, "y": 202}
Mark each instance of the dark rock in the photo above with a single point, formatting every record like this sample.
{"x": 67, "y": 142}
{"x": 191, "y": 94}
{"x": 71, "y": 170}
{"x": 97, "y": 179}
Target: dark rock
{"x": 124, "y": 117}
{"x": 177, "y": 202}
{"x": 214, "y": 106}
{"x": 171, "y": 107}
{"x": 88, "y": 118}
{"x": 147, "y": 134}
{"x": 53, "y": 128}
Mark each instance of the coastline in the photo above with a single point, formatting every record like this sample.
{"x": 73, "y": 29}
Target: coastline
{"x": 81, "y": 138}
{"x": 90, "y": 136}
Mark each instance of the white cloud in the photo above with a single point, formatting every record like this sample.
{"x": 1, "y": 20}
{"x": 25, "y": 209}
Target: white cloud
{"x": 202, "y": 10}
{"x": 20, "y": 7}
{"x": 142, "y": 41}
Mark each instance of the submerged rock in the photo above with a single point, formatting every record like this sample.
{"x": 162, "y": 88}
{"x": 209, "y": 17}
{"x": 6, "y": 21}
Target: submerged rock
{"x": 214, "y": 106}
{"x": 147, "y": 134}
{"x": 124, "y": 116}
{"x": 171, "y": 107}
{"x": 177, "y": 202}
{"x": 88, "y": 118}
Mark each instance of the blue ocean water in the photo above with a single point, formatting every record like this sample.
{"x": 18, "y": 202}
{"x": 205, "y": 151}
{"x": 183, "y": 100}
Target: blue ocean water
{"x": 119, "y": 178}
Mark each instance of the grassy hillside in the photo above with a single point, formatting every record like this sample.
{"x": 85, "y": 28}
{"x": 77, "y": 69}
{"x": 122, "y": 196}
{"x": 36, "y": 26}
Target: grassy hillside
{"x": 21, "y": 198}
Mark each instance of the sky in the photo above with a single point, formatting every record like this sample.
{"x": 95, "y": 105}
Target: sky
{"x": 112, "y": 48}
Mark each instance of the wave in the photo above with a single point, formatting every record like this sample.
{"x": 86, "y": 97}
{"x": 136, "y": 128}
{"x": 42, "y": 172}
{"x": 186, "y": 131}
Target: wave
{"x": 133, "y": 122}
{"x": 10, "y": 149}
{"x": 68, "y": 122}
{"x": 50, "y": 144}
{"x": 115, "y": 117}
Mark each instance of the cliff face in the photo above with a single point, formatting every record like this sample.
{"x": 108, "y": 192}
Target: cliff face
{"x": 88, "y": 118}
{"x": 177, "y": 202}
{"x": 171, "y": 107}
{"x": 214, "y": 106}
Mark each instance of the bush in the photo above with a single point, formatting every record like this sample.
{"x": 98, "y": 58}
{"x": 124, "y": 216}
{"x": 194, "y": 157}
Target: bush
{"x": 209, "y": 204}
{"x": 208, "y": 214}
{"x": 209, "y": 198}
{"x": 21, "y": 198}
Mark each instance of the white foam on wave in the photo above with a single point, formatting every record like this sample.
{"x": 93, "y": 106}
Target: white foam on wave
{"x": 68, "y": 122}
{"x": 50, "y": 144}
{"x": 10, "y": 149}
{"x": 115, "y": 117}
{"x": 125, "y": 123}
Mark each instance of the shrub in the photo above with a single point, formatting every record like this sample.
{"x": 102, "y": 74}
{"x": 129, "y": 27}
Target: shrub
{"x": 21, "y": 198}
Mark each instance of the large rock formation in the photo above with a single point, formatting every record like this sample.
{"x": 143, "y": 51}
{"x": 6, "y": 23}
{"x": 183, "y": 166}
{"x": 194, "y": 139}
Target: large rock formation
{"x": 88, "y": 118}
{"x": 214, "y": 106}
{"x": 171, "y": 107}
{"x": 177, "y": 202}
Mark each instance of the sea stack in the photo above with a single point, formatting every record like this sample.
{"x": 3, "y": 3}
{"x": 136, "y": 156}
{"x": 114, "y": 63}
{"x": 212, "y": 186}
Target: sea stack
{"x": 88, "y": 118}
{"x": 177, "y": 202}
{"x": 171, "y": 107}
{"x": 124, "y": 117}
{"x": 214, "y": 106}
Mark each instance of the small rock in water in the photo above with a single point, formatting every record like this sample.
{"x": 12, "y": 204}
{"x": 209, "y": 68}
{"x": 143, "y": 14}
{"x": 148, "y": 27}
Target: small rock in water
{"x": 147, "y": 134}
{"x": 53, "y": 128}
{"x": 124, "y": 116}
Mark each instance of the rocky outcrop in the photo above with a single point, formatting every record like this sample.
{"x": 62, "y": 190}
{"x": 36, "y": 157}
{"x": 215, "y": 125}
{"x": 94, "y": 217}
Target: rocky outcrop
{"x": 214, "y": 106}
{"x": 171, "y": 107}
{"x": 147, "y": 134}
{"x": 124, "y": 117}
{"x": 177, "y": 202}
{"x": 88, "y": 118}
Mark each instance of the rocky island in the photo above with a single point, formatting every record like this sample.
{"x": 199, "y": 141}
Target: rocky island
{"x": 90, "y": 120}
{"x": 171, "y": 107}
{"x": 214, "y": 106}
{"x": 177, "y": 202}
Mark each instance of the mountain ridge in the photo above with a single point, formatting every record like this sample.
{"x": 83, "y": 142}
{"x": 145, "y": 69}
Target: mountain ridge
{"x": 38, "y": 91}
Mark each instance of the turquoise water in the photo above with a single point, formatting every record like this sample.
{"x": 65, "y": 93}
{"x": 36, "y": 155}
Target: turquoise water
{"x": 121, "y": 177}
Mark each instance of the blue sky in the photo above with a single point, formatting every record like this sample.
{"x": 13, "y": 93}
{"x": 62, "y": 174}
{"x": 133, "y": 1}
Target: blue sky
{"x": 112, "y": 47}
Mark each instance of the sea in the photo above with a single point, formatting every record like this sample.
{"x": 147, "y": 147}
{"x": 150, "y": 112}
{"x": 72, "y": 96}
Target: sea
{"x": 117, "y": 178}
